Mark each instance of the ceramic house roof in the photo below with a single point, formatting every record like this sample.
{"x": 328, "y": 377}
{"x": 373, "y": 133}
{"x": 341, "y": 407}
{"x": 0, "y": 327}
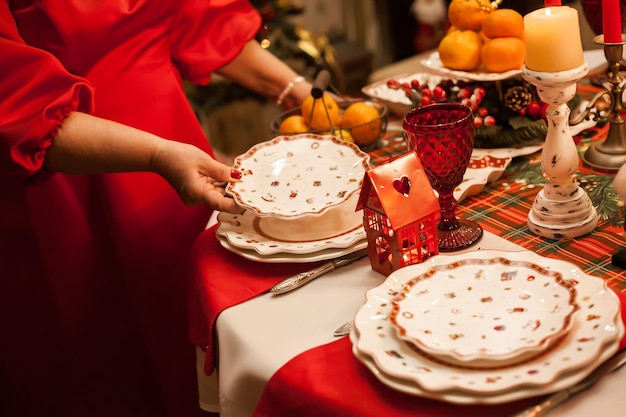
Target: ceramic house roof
{"x": 402, "y": 189}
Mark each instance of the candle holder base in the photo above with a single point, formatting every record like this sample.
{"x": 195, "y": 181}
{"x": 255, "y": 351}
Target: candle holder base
{"x": 610, "y": 154}
{"x": 562, "y": 210}
{"x": 604, "y": 157}
{"x": 563, "y": 218}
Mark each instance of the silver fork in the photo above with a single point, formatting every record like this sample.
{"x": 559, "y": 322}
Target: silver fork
{"x": 344, "y": 329}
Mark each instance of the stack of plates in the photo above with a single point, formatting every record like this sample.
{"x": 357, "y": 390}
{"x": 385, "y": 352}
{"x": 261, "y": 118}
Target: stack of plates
{"x": 486, "y": 327}
{"x": 299, "y": 193}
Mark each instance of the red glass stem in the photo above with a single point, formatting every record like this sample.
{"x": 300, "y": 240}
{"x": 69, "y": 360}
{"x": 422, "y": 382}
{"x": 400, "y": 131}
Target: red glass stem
{"x": 448, "y": 205}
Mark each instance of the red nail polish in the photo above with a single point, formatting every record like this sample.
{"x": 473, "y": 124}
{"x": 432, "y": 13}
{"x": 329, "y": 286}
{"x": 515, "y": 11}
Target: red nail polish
{"x": 235, "y": 174}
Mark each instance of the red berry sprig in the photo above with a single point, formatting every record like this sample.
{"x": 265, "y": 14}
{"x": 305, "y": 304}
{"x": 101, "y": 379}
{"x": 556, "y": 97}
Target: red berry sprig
{"x": 535, "y": 110}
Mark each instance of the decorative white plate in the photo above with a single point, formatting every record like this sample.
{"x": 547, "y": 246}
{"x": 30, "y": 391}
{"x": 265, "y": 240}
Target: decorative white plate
{"x": 321, "y": 255}
{"x": 480, "y": 171}
{"x": 461, "y": 397}
{"x": 293, "y": 176}
{"x": 484, "y": 312}
{"x": 396, "y": 101}
{"x": 433, "y": 62}
{"x": 486, "y": 165}
{"x": 269, "y": 235}
{"x": 595, "y": 326}
{"x": 507, "y": 152}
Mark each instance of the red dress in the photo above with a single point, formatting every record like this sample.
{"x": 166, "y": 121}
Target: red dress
{"x": 93, "y": 269}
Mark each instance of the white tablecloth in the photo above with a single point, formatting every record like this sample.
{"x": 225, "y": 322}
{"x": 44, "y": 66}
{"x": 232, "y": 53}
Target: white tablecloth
{"x": 257, "y": 337}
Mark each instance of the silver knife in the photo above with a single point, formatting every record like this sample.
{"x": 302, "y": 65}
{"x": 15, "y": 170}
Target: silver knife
{"x": 298, "y": 280}
{"x": 610, "y": 365}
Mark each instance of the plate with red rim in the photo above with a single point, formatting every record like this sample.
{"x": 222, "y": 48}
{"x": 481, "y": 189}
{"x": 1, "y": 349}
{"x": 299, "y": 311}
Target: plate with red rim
{"x": 597, "y": 331}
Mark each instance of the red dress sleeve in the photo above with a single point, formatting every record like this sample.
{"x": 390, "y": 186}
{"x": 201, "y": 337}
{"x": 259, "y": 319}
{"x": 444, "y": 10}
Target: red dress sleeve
{"x": 209, "y": 34}
{"x": 37, "y": 93}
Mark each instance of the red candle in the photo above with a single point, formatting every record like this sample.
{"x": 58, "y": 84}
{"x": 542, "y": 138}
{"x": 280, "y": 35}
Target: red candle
{"x": 550, "y": 3}
{"x": 611, "y": 21}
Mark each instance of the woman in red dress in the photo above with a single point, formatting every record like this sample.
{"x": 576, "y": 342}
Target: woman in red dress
{"x": 106, "y": 178}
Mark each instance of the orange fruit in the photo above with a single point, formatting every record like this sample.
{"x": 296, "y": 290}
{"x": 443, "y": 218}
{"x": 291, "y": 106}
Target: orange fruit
{"x": 484, "y": 37}
{"x": 344, "y": 134}
{"x": 362, "y": 121}
{"x": 503, "y": 54}
{"x": 503, "y": 23}
{"x": 321, "y": 113}
{"x": 460, "y": 50}
{"x": 468, "y": 14}
{"x": 293, "y": 124}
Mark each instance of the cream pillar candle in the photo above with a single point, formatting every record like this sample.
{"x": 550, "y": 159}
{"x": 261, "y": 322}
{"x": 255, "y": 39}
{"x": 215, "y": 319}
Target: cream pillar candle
{"x": 553, "y": 40}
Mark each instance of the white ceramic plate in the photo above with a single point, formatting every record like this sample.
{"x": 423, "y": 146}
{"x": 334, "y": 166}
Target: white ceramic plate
{"x": 397, "y": 102}
{"x": 293, "y": 176}
{"x": 484, "y": 312}
{"x": 321, "y": 255}
{"x": 507, "y": 152}
{"x": 481, "y": 170}
{"x": 486, "y": 165}
{"x": 594, "y": 327}
{"x": 460, "y": 397}
{"x": 268, "y": 235}
{"x": 433, "y": 62}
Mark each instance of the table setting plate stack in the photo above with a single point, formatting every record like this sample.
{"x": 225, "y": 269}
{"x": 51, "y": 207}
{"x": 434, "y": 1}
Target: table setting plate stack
{"x": 486, "y": 327}
{"x": 299, "y": 194}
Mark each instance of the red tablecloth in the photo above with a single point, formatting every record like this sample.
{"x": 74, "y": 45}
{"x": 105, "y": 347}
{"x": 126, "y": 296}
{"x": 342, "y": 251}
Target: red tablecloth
{"x": 221, "y": 279}
{"x": 329, "y": 381}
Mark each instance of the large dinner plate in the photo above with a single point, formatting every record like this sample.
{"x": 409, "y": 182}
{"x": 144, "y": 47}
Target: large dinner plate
{"x": 596, "y": 332}
{"x": 321, "y": 255}
{"x": 466, "y": 398}
{"x": 269, "y": 235}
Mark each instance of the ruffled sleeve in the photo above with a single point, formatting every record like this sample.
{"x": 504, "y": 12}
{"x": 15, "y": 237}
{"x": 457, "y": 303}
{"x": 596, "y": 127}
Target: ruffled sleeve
{"x": 209, "y": 34}
{"x": 37, "y": 94}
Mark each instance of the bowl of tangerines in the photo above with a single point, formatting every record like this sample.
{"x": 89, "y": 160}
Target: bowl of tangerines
{"x": 482, "y": 37}
{"x": 360, "y": 121}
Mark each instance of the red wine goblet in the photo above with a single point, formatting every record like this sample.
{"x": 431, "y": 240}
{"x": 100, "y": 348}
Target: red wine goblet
{"x": 442, "y": 136}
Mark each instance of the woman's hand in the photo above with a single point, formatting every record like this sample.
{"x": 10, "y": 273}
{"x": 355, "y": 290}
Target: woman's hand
{"x": 86, "y": 144}
{"x": 196, "y": 176}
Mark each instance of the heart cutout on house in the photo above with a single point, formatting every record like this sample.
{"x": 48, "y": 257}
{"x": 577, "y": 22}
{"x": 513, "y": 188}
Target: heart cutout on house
{"x": 402, "y": 185}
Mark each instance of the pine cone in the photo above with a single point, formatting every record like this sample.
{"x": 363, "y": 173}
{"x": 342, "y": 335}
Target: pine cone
{"x": 517, "y": 98}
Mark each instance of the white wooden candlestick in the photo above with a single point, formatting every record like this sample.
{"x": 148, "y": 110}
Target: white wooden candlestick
{"x": 562, "y": 210}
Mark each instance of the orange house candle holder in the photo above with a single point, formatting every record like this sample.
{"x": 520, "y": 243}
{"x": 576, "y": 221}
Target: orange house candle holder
{"x": 400, "y": 214}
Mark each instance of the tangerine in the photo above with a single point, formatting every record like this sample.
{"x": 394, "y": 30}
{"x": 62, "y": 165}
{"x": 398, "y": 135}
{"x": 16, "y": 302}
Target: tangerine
{"x": 460, "y": 50}
{"x": 363, "y": 123}
{"x": 503, "y": 54}
{"x": 503, "y": 23}
{"x": 293, "y": 124}
{"x": 320, "y": 114}
{"x": 468, "y": 14}
{"x": 344, "y": 135}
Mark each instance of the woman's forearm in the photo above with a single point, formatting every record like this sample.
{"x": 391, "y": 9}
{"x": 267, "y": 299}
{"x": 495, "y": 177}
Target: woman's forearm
{"x": 262, "y": 72}
{"x": 86, "y": 144}
{"x": 89, "y": 145}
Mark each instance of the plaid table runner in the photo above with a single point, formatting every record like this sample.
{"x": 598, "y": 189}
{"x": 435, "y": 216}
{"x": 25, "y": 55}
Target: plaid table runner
{"x": 502, "y": 206}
